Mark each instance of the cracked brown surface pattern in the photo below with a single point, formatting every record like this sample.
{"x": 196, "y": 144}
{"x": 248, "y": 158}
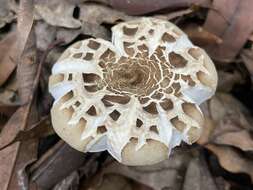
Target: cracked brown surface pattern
{"x": 143, "y": 87}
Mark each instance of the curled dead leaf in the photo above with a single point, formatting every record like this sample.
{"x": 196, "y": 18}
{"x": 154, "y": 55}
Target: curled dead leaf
{"x": 227, "y": 123}
{"x": 241, "y": 139}
{"x": 231, "y": 160}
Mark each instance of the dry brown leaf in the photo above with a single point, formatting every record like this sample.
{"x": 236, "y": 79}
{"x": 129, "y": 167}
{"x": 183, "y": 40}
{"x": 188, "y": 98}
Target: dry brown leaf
{"x": 200, "y": 36}
{"x": 88, "y": 29}
{"x": 26, "y": 151}
{"x": 58, "y": 13}
{"x": 232, "y": 160}
{"x": 167, "y": 174}
{"x": 27, "y": 69}
{"x": 184, "y": 170}
{"x": 7, "y": 162}
{"x": 25, "y": 22}
{"x": 6, "y": 15}
{"x": 27, "y": 65}
{"x": 41, "y": 129}
{"x": 70, "y": 182}
{"x": 26, "y": 154}
{"x": 113, "y": 182}
{"x": 207, "y": 132}
{"x": 8, "y": 56}
{"x": 227, "y": 124}
{"x": 224, "y": 106}
{"x": 232, "y": 22}
{"x": 117, "y": 182}
{"x": 95, "y": 13}
{"x": 11, "y": 133}
{"x": 12, "y": 128}
{"x": 5, "y": 113}
{"x": 22, "y": 154}
{"x": 55, "y": 165}
{"x": 45, "y": 35}
{"x": 247, "y": 57}
{"x": 198, "y": 176}
{"x": 148, "y": 6}
{"x": 251, "y": 37}
{"x": 9, "y": 93}
{"x": 227, "y": 80}
{"x": 241, "y": 139}
{"x": 175, "y": 14}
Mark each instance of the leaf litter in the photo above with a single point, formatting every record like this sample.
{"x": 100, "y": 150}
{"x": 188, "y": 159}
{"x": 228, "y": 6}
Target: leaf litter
{"x": 33, "y": 34}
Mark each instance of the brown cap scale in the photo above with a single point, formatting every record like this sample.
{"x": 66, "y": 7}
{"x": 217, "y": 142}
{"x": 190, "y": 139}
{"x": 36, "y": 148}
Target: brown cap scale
{"x": 136, "y": 97}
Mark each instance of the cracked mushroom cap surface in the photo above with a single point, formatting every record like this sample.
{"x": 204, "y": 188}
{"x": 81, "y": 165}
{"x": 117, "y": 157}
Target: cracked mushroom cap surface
{"x": 136, "y": 97}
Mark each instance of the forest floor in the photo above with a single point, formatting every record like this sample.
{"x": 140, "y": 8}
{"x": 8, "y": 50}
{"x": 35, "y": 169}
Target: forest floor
{"x": 33, "y": 34}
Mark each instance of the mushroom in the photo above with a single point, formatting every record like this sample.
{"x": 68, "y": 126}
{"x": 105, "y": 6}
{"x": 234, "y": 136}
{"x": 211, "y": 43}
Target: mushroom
{"x": 136, "y": 97}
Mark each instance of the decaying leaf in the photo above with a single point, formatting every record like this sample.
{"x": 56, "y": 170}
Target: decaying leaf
{"x": 27, "y": 65}
{"x": 26, "y": 154}
{"x": 228, "y": 129}
{"x": 185, "y": 170}
{"x": 228, "y": 80}
{"x": 70, "y": 182}
{"x": 147, "y": 6}
{"x": 11, "y": 129}
{"x": 58, "y": 13}
{"x": 55, "y": 165}
{"x": 87, "y": 29}
{"x": 241, "y": 139}
{"x": 198, "y": 176}
{"x": 227, "y": 123}
{"x": 251, "y": 37}
{"x": 200, "y": 36}
{"x": 232, "y": 160}
{"x": 94, "y": 13}
{"x": 6, "y": 15}
{"x": 9, "y": 93}
{"x": 175, "y": 14}
{"x": 117, "y": 182}
{"x": 27, "y": 69}
{"x": 168, "y": 174}
{"x": 22, "y": 153}
{"x": 7, "y": 56}
{"x": 11, "y": 133}
{"x": 7, "y": 160}
{"x": 26, "y": 151}
{"x": 45, "y": 35}
{"x": 228, "y": 19}
{"x": 24, "y": 25}
{"x": 247, "y": 57}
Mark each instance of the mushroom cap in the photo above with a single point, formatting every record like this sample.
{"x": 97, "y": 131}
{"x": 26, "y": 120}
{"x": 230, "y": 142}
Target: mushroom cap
{"x": 136, "y": 97}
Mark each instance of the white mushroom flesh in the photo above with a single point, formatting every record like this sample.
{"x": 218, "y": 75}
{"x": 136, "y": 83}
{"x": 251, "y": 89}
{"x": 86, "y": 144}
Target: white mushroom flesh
{"x": 146, "y": 84}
